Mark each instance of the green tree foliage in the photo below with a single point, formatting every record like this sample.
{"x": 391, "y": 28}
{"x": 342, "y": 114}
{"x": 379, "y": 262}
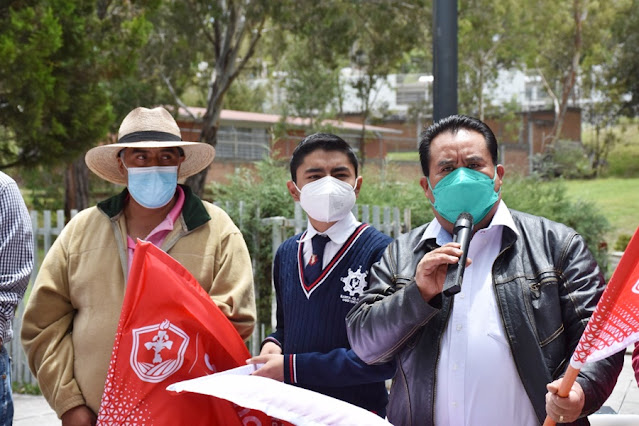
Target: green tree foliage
{"x": 493, "y": 36}
{"x": 604, "y": 111}
{"x": 224, "y": 36}
{"x": 54, "y": 87}
{"x": 245, "y": 96}
{"x": 369, "y": 37}
{"x": 577, "y": 61}
{"x": 28, "y": 37}
{"x": 166, "y": 61}
{"x": 623, "y": 55}
{"x": 573, "y": 43}
{"x": 306, "y": 57}
{"x": 312, "y": 89}
{"x": 384, "y": 30}
{"x": 263, "y": 194}
{"x": 396, "y": 192}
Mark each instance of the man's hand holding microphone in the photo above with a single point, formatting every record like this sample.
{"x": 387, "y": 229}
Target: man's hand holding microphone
{"x": 442, "y": 269}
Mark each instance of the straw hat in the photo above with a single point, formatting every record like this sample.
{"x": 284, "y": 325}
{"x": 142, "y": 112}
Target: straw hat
{"x": 148, "y": 128}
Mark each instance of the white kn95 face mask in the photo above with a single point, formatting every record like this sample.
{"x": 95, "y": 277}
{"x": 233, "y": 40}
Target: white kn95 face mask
{"x": 327, "y": 199}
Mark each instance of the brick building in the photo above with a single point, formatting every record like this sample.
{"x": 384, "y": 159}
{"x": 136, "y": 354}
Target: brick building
{"x": 519, "y": 139}
{"x": 530, "y": 135}
{"x": 246, "y": 137}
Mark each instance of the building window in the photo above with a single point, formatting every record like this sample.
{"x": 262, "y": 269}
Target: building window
{"x": 242, "y": 143}
{"x": 411, "y": 95}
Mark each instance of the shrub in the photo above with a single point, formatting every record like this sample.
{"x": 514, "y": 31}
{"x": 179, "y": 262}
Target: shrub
{"x": 622, "y": 242}
{"x": 548, "y": 199}
{"x": 43, "y": 187}
{"x": 403, "y": 195}
{"x": 567, "y": 159}
{"x": 264, "y": 194}
{"x": 26, "y": 388}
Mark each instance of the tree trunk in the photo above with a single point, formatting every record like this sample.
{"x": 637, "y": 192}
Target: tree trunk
{"x": 362, "y": 141}
{"x": 76, "y": 184}
{"x": 197, "y": 182}
{"x": 210, "y": 124}
{"x": 579, "y": 16}
{"x": 481, "y": 91}
{"x": 365, "y": 92}
{"x": 227, "y": 40}
{"x": 597, "y": 153}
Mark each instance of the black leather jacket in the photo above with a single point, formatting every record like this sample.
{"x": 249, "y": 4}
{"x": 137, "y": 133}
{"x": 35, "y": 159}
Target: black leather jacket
{"x": 547, "y": 285}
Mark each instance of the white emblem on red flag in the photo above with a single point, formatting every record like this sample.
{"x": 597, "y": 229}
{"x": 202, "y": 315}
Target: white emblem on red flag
{"x": 158, "y": 351}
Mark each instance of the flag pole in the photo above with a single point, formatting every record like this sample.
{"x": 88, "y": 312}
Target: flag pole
{"x": 564, "y": 389}
{"x": 623, "y": 283}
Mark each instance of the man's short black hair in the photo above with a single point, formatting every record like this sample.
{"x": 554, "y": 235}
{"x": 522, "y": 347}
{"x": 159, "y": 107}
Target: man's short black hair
{"x": 324, "y": 141}
{"x": 453, "y": 124}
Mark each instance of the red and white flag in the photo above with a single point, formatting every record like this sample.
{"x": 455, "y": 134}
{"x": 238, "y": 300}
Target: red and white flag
{"x": 170, "y": 330}
{"x": 615, "y": 323}
{"x": 299, "y": 406}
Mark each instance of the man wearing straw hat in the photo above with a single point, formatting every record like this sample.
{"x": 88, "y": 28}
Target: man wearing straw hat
{"x": 72, "y": 314}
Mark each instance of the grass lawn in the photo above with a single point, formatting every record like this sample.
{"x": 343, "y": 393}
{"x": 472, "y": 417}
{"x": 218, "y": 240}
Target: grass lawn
{"x": 623, "y": 160}
{"x": 618, "y": 199}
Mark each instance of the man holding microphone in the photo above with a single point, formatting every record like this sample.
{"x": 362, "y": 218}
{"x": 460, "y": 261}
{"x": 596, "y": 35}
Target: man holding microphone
{"x": 494, "y": 352}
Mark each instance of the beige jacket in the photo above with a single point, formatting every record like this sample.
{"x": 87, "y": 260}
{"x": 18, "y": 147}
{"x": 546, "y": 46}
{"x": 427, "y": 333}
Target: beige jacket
{"x": 72, "y": 314}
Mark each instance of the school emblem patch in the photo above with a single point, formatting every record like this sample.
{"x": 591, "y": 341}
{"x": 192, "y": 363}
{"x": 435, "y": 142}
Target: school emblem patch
{"x": 354, "y": 285}
{"x": 158, "y": 351}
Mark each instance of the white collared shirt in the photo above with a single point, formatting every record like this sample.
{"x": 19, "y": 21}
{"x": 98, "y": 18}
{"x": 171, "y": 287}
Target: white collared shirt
{"x": 477, "y": 381}
{"x": 338, "y": 233}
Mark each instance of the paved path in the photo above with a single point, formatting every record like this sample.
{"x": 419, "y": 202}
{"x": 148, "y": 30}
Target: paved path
{"x": 625, "y": 397}
{"x": 34, "y": 411}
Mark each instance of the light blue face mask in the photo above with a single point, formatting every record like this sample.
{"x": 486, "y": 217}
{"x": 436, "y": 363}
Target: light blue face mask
{"x": 465, "y": 190}
{"x": 152, "y": 187}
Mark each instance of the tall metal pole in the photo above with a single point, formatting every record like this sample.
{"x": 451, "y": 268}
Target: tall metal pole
{"x": 444, "y": 58}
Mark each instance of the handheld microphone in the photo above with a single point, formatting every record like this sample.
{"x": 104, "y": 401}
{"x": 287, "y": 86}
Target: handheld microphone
{"x": 461, "y": 234}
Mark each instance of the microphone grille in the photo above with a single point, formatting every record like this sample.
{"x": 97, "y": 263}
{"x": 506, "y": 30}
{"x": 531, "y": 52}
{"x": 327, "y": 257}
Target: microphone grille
{"x": 465, "y": 216}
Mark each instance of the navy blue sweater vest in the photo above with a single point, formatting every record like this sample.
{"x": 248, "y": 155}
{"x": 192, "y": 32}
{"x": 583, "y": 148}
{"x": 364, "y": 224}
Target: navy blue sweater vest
{"x": 311, "y": 321}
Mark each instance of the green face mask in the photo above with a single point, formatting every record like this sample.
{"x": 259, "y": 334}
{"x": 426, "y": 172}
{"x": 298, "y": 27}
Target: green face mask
{"x": 465, "y": 190}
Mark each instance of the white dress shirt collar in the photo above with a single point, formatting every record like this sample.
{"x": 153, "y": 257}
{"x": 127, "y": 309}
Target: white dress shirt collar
{"x": 338, "y": 233}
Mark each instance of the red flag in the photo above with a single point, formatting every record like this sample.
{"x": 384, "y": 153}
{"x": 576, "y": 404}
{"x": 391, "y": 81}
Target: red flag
{"x": 615, "y": 323}
{"x": 169, "y": 330}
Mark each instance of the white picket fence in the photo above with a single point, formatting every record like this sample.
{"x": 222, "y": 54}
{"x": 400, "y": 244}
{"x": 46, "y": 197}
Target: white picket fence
{"x": 44, "y": 233}
{"x": 388, "y": 220}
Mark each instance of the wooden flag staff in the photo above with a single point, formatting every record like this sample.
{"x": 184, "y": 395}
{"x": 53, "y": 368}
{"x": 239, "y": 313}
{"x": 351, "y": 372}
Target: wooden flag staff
{"x": 564, "y": 389}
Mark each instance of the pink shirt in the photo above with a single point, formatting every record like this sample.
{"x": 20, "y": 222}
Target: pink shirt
{"x": 159, "y": 233}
